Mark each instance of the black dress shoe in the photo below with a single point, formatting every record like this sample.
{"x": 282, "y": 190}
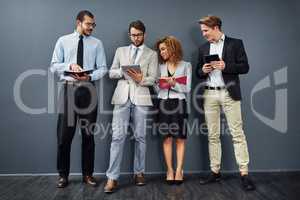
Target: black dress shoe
{"x": 212, "y": 178}
{"x": 89, "y": 180}
{"x": 170, "y": 182}
{"x": 247, "y": 183}
{"x": 62, "y": 182}
{"x": 179, "y": 181}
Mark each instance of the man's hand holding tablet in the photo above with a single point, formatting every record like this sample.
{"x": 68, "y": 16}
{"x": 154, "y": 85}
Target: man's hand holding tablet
{"x": 212, "y": 62}
{"x": 134, "y": 71}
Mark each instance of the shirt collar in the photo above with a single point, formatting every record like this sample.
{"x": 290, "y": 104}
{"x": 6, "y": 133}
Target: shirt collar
{"x": 140, "y": 47}
{"x": 78, "y": 34}
{"x": 221, "y": 39}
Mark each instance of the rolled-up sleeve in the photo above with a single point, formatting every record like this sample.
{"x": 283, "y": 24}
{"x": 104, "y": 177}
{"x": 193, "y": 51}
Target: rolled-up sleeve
{"x": 58, "y": 64}
{"x": 101, "y": 68}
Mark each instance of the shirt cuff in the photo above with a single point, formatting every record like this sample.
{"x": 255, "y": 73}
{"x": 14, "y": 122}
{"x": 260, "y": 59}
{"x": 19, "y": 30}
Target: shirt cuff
{"x": 142, "y": 81}
{"x": 68, "y": 67}
{"x": 92, "y": 77}
{"x": 120, "y": 72}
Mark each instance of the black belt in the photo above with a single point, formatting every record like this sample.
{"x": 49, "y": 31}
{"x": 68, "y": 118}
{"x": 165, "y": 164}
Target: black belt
{"x": 215, "y": 88}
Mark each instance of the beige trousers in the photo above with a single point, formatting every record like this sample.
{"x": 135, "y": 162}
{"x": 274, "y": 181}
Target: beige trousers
{"x": 213, "y": 101}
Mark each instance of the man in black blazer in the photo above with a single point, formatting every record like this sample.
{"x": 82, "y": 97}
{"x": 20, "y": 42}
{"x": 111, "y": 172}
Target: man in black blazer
{"x": 220, "y": 79}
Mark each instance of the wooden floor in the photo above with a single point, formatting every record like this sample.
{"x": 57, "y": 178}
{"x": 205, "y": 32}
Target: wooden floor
{"x": 271, "y": 186}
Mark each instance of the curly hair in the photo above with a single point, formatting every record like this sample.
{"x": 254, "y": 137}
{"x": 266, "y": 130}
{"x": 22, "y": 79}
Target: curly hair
{"x": 174, "y": 48}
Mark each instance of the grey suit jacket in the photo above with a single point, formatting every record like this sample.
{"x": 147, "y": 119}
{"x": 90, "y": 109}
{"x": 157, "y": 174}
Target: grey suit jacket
{"x": 178, "y": 91}
{"x": 138, "y": 93}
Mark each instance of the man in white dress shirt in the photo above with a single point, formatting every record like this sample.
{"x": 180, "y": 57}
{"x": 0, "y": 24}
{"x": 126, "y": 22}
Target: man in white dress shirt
{"x": 223, "y": 90}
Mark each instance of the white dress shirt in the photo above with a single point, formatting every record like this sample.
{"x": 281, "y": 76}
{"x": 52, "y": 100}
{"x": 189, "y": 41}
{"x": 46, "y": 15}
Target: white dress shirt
{"x": 139, "y": 53}
{"x": 215, "y": 78}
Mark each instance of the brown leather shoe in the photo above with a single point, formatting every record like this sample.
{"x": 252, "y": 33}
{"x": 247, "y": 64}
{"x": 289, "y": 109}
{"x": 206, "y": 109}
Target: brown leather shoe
{"x": 62, "y": 182}
{"x": 111, "y": 186}
{"x": 89, "y": 180}
{"x": 139, "y": 179}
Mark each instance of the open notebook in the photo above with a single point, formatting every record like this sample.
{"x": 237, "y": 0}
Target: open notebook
{"x": 81, "y": 73}
{"x": 163, "y": 84}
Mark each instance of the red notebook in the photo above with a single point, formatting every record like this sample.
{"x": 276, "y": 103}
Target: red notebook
{"x": 163, "y": 84}
{"x": 181, "y": 80}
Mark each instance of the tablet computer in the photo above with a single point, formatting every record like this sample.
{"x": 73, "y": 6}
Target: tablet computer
{"x": 210, "y": 58}
{"x": 135, "y": 67}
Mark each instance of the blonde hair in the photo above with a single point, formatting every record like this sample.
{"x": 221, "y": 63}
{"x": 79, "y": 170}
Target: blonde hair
{"x": 211, "y": 21}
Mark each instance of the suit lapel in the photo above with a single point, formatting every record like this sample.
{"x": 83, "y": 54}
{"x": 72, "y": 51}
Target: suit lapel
{"x": 164, "y": 70}
{"x": 206, "y": 48}
{"x": 128, "y": 54}
{"x": 144, "y": 53}
{"x": 225, "y": 47}
{"x": 142, "y": 59}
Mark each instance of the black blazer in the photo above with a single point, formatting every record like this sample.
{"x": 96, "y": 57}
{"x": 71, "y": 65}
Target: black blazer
{"x": 236, "y": 63}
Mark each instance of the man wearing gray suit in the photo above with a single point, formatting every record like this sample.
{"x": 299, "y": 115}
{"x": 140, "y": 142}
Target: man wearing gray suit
{"x": 131, "y": 99}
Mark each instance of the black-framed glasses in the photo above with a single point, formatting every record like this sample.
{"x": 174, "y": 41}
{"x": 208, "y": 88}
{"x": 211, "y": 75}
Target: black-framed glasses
{"x": 91, "y": 24}
{"x": 136, "y": 35}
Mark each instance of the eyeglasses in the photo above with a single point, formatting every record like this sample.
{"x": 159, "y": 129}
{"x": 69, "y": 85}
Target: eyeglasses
{"x": 90, "y": 24}
{"x": 136, "y": 35}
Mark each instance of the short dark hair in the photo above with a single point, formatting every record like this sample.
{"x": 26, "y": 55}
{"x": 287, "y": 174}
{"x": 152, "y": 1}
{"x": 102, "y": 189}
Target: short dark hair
{"x": 137, "y": 25}
{"x": 81, "y": 14}
{"x": 211, "y": 21}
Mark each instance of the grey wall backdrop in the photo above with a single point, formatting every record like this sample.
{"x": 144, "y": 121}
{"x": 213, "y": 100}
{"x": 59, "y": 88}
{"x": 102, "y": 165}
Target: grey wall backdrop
{"x": 269, "y": 29}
